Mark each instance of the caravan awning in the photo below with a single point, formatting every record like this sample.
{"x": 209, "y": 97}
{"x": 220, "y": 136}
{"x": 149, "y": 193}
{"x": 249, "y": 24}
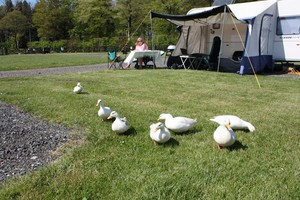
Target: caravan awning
{"x": 203, "y": 17}
{"x": 214, "y": 14}
{"x": 250, "y": 10}
{"x": 199, "y": 16}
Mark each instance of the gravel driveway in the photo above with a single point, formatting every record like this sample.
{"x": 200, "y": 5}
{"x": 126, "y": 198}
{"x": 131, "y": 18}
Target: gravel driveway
{"x": 26, "y": 142}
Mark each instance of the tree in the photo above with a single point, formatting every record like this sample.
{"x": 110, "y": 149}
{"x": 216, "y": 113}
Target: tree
{"x": 2, "y": 13}
{"x": 31, "y": 33}
{"x": 126, "y": 14}
{"x": 52, "y": 19}
{"x": 93, "y": 19}
{"x": 8, "y": 6}
{"x": 14, "y": 23}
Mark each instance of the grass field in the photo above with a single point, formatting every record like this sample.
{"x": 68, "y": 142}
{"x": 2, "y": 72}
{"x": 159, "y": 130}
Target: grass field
{"x": 38, "y": 61}
{"x": 261, "y": 165}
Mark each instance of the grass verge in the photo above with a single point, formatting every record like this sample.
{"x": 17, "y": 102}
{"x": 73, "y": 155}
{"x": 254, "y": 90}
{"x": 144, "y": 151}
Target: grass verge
{"x": 38, "y": 61}
{"x": 261, "y": 165}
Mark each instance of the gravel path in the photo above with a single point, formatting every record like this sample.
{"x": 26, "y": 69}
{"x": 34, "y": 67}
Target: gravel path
{"x": 57, "y": 70}
{"x": 27, "y": 142}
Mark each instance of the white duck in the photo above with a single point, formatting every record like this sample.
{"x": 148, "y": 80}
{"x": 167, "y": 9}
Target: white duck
{"x": 78, "y": 88}
{"x": 177, "y": 124}
{"x": 120, "y": 125}
{"x": 235, "y": 122}
{"x": 159, "y": 133}
{"x": 103, "y": 112}
{"x": 224, "y": 135}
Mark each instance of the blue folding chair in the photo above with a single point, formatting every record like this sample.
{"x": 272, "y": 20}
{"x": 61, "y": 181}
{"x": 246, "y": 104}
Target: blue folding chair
{"x": 114, "y": 60}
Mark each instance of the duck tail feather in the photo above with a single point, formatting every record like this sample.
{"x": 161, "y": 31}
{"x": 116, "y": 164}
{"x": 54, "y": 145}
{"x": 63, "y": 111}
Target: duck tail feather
{"x": 250, "y": 127}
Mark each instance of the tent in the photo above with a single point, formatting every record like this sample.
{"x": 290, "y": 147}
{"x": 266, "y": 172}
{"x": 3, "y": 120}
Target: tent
{"x": 249, "y": 28}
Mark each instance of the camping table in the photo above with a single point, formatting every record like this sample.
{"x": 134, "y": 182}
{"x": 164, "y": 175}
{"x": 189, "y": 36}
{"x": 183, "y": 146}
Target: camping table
{"x": 189, "y": 59}
{"x": 139, "y": 54}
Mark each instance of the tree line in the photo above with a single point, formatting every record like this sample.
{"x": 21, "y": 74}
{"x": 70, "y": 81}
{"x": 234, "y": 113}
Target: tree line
{"x": 88, "y": 25}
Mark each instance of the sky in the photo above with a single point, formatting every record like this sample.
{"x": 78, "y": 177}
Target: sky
{"x": 32, "y": 2}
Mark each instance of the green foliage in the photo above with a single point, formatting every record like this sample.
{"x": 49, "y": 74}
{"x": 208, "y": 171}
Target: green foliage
{"x": 57, "y": 45}
{"x": 52, "y": 20}
{"x": 92, "y": 45}
{"x": 117, "y": 43}
{"x": 15, "y": 23}
{"x": 84, "y": 20}
{"x": 73, "y": 46}
{"x": 39, "y": 44}
{"x": 93, "y": 19}
{"x": 261, "y": 165}
{"x": 8, "y": 7}
{"x": 132, "y": 20}
{"x": 88, "y": 45}
{"x": 163, "y": 41}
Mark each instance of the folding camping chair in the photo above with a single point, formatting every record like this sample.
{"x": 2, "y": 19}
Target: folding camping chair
{"x": 210, "y": 61}
{"x": 114, "y": 60}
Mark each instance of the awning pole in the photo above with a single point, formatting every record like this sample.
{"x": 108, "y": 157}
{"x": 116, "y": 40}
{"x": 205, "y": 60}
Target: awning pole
{"x": 151, "y": 33}
{"x": 244, "y": 46}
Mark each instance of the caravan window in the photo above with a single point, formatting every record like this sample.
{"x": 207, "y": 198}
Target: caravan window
{"x": 288, "y": 25}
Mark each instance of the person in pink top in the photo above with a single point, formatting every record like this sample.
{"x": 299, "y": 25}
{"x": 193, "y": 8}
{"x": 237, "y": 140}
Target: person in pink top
{"x": 140, "y": 45}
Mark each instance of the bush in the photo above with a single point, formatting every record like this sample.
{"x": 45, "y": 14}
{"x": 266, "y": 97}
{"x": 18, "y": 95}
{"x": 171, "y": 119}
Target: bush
{"x": 163, "y": 41}
{"x": 59, "y": 46}
{"x": 94, "y": 45}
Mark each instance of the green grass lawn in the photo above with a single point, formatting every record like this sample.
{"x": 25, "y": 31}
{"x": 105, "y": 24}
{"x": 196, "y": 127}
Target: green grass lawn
{"x": 264, "y": 164}
{"x": 38, "y": 61}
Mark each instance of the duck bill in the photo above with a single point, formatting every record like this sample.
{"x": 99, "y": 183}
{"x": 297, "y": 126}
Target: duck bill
{"x": 227, "y": 126}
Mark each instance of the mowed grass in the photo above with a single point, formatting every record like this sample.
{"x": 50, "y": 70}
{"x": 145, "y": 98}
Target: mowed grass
{"x": 38, "y": 61}
{"x": 261, "y": 165}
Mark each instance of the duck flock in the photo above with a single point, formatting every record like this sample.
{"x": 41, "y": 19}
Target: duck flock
{"x": 160, "y": 132}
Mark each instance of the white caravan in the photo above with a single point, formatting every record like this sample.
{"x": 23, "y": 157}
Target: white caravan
{"x": 253, "y": 35}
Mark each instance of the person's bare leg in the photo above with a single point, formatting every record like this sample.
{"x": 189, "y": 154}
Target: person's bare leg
{"x": 140, "y": 61}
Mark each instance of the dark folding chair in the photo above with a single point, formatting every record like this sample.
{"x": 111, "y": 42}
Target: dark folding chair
{"x": 210, "y": 61}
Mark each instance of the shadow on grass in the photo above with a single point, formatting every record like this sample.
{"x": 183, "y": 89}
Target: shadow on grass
{"x": 237, "y": 146}
{"x": 171, "y": 143}
{"x": 246, "y": 131}
{"x": 190, "y": 132}
{"x": 105, "y": 120}
{"x": 84, "y": 93}
{"x": 130, "y": 131}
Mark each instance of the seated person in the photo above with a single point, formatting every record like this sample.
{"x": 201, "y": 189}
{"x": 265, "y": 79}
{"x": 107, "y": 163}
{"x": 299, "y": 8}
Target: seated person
{"x": 140, "y": 45}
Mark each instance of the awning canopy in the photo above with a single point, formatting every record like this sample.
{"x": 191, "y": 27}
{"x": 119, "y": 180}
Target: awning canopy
{"x": 202, "y": 17}
{"x": 215, "y": 14}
